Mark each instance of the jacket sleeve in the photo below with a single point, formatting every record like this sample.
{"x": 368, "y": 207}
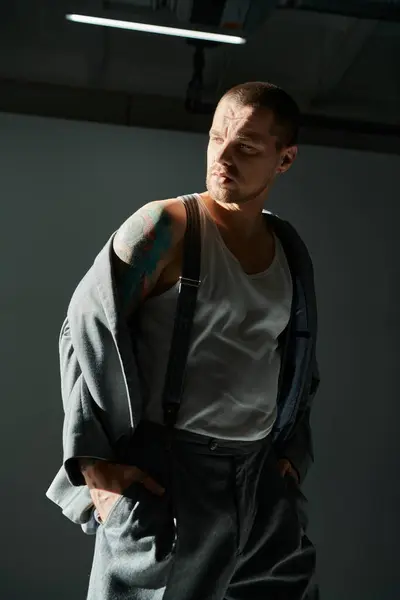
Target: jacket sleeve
{"x": 100, "y": 385}
{"x": 299, "y": 448}
{"x": 83, "y": 433}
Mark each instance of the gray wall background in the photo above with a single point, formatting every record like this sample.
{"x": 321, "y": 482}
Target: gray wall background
{"x": 65, "y": 186}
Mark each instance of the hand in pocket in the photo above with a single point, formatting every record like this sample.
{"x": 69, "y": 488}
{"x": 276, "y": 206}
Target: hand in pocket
{"x": 108, "y": 481}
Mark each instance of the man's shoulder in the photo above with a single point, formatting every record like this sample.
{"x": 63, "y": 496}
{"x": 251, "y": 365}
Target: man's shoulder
{"x": 175, "y": 210}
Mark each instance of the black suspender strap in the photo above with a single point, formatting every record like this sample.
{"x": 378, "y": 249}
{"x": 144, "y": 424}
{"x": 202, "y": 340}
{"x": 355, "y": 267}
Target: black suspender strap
{"x": 186, "y": 304}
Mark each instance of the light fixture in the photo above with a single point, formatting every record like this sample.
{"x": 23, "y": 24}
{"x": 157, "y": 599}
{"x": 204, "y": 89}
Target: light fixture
{"x": 148, "y": 28}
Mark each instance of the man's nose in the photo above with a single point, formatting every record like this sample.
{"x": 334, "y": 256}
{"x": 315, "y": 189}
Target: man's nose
{"x": 224, "y": 154}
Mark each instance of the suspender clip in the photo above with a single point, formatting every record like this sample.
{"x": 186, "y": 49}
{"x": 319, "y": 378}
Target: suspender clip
{"x": 191, "y": 282}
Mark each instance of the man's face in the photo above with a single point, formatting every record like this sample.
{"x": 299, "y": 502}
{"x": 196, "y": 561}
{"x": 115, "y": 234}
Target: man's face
{"x": 242, "y": 155}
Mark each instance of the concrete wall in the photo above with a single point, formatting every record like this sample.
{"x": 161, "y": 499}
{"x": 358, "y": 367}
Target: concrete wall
{"x": 65, "y": 186}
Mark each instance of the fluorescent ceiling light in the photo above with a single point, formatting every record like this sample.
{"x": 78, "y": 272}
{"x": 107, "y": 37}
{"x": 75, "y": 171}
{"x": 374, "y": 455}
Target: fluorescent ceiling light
{"x": 186, "y": 33}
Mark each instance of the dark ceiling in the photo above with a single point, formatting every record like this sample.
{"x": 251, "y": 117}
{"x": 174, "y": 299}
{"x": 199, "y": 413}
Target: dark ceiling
{"x": 343, "y": 68}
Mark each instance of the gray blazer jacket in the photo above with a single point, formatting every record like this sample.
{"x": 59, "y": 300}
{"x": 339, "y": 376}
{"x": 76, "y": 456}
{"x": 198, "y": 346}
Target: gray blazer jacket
{"x": 100, "y": 385}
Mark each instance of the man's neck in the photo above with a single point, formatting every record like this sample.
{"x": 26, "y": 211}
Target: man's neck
{"x": 244, "y": 221}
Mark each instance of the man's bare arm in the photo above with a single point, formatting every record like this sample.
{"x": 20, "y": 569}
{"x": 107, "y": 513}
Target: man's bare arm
{"x": 142, "y": 246}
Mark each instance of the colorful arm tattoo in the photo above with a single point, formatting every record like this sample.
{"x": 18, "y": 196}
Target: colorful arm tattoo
{"x": 141, "y": 242}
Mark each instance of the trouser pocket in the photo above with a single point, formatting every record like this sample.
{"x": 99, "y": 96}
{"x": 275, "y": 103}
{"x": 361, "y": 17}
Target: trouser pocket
{"x": 134, "y": 546}
{"x": 127, "y": 493}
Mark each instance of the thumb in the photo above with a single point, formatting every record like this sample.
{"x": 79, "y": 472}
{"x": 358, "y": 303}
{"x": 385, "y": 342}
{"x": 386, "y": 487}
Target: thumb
{"x": 152, "y": 485}
{"x": 284, "y": 466}
{"x": 148, "y": 482}
{"x": 135, "y": 474}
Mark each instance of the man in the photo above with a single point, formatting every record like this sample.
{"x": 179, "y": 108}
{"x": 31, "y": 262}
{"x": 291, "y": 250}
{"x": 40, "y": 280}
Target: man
{"x": 215, "y": 518}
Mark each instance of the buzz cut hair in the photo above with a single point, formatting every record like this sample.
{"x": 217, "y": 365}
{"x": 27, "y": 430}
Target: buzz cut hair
{"x": 267, "y": 96}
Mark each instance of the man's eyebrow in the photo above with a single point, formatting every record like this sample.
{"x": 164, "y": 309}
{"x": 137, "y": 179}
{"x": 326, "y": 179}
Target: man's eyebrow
{"x": 248, "y": 136}
{"x": 252, "y": 136}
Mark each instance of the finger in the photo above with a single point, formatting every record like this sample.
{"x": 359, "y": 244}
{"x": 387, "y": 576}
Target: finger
{"x": 136, "y": 474}
{"x": 151, "y": 485}
{"x": 132, "y": 474}
{"x": 284, "y": 468}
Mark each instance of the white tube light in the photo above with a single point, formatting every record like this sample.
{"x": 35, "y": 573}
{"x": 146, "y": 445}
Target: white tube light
{"x": 146, "y": 27}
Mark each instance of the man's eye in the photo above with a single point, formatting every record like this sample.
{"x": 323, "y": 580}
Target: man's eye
{"x": 247, "y": 148}
{"x": 217, "y": 139}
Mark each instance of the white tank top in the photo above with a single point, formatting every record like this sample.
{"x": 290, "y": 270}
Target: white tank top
{"x": 233, "y": 365}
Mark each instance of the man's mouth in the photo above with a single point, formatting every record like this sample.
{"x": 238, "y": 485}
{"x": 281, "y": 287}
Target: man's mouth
{"x": 223, "y": 176}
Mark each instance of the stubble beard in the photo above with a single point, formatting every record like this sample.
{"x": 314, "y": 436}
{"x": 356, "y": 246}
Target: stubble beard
{"x": 231, "y": 196}
{"x": 224, "y": 195}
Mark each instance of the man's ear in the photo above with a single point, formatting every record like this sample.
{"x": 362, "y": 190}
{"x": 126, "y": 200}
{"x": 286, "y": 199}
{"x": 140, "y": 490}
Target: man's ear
{"x": 287, "y": 159}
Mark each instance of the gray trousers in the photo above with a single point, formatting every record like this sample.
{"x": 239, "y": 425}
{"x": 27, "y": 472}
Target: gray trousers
{"x": 229, "y": 527}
